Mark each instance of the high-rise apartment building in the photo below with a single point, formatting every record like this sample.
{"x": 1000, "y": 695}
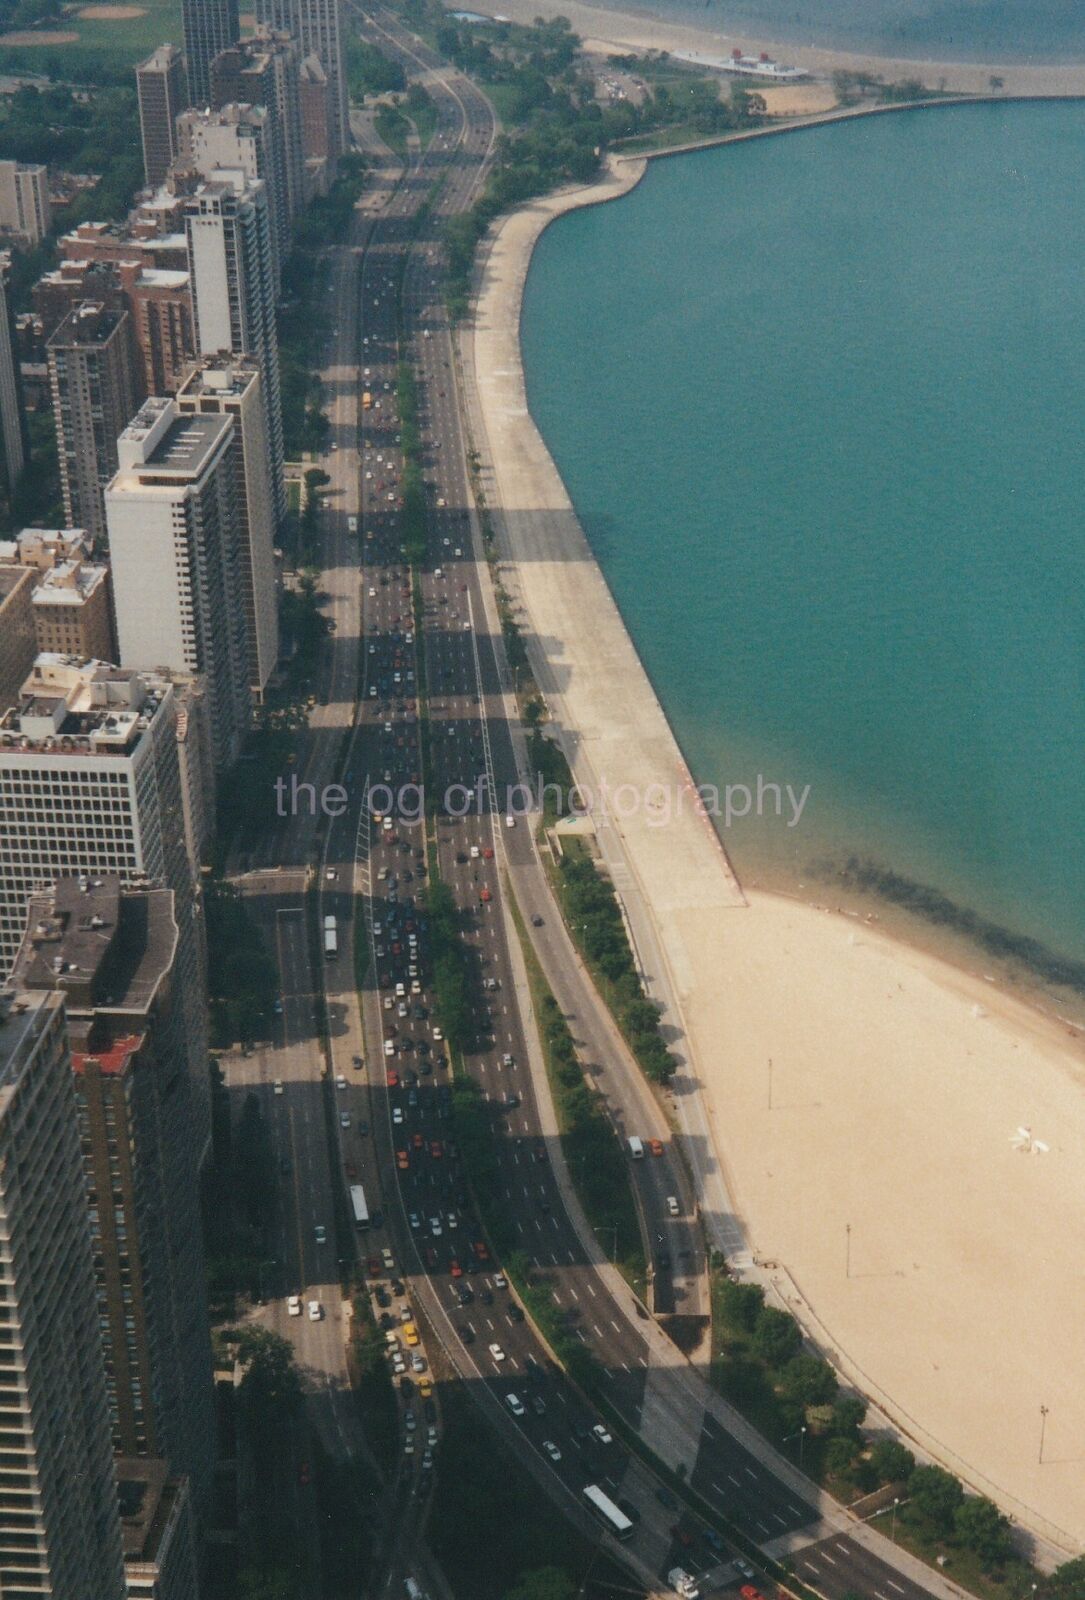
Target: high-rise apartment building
{"x": 112, "y": 953}
{"x": 233, "y": 294}
{"x": 315, "y": 24}
{"x": 25, "y": 209}
{"x": 238, "y": 138}
{"x": 175, "y": 556}
{"x": 162, "y": 86}
{"x": 18, "y": 645}
{"x": 91, "y": 783}
{"x": 209, "y": 27}
{"x": 263, "y": 71}
{"x": 230, "y": 386}
{"x": 97, "y": 386}
{"x": 60, "y": 1533}
{"x": 14, "y": 444}
{"x": 72, "y": 612}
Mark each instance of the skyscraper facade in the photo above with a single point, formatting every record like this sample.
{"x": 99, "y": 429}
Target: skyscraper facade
{"x": 238, "y": 138}
{"x": 162, "y": 87}
{"x": 175, "y": 556}
{"x": 315, "y": 24}
{"x": 263, "y": 71}
{"x": 96, "y": 384}
{"x": 233, "y": 293}
{"x": 13, "y": 435}
{"x": 59, "y": 1523}
{"x": 209, "y": 26}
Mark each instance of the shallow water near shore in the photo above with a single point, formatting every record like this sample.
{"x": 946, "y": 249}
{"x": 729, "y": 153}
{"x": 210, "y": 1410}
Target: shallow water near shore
{"x": 833, "y": 480}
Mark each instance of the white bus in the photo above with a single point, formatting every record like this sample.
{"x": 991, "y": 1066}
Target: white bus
{"x": 358, "y": 1206}
{"x": 602, "y": 1507}
{"x": 331, "y": 939}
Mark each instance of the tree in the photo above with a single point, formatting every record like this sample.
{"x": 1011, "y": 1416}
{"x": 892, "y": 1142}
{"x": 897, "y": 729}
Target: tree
{"x": 848, "y": 1414}
{"x": 1068, "y": 1581}
{"x": 936, "y": 1495}
{"x": 776, "y": 1336}
{"x": 544, "y": 1583}
{"x": 981, "y": 1526}
{"x": 895, "y": 1464}
{"x": 808, "y": 1381}
{"x": 839, "y": 1456}
{"x": 742, "y": 1304}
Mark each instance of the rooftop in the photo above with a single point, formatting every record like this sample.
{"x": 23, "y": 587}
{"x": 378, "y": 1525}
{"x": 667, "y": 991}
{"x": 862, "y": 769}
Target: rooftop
{"x": 148, "y": 1496}
{"x": 11, "y": 577}
{"x": 69, "y": 583}
{"x": 71, "y": 707}
{"x": 92, "y": 323}
{"x": 108, "y": 948}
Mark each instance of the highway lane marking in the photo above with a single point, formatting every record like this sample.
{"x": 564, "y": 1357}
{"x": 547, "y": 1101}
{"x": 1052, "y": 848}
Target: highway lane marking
{"x": 750, "y": 1473}
{"x": 898, "y": 1587}
{"x": 736, "y": 1481}
{"x": 828, "y": 1558}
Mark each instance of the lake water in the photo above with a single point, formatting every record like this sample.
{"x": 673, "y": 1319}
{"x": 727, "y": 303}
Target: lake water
{"x": 941, "y": 30}
{"x": 820, "y": 402}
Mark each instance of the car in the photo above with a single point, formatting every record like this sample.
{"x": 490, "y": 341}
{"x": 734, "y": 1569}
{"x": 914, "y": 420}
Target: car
{"x": 749, "y": 1591}
{"x": 656, "y": 1146}
{"x": 389, "y": 1047}
{"x": 418, "y": 1362}
{"x": 454, "y": 1268}
{"x": 713, "y": 1540}
{"x": 452, "y": 1221}
{"x": 673, "y": 1208}
{"x": 388, "y": 1259}
{"x": 340, "y": 1082}
{"x": 344, "y": 1119}
{"x": 666, "y": 1498}
{"x": 427, "y": 1461}
{"x": 425, "y": 1389}
{"x": 293, "y": 1305}
{"x": 278, "y": 1086}
{"x": 552, "y": 1450}
{"x": 485, "y": 897}
{"x": 431, "y": 1256}
{"x": 514, "y": 1403}
{"x": 435, "y": 1227}
{"x": 465, "y": 1294}
{"x": 417, "y": 1141}
{"x": 414, "y": 1220}
{"x": 320, "y": 1233}
{"x": 506, "y": 1060}
{"x": 330, "y": 874}
{"x": 316, "y": 1311}
{"x": 500, "y": 1281}
{"x": 600, "y": 1433}
{"x": 397, "y": 1115}
{"x": 497, "y": 1352}
{"x": 403, "y": 1160}
{"x": 410, "y": 1334}
{"x": 481, "y": 1250}
{"x": 514, "y": 1313}
{"x": 467, "y": 1335}
{"x": 743, "y": 1568}
{"x": 538, "y": 1405}
{"x": 278, "y": 1008}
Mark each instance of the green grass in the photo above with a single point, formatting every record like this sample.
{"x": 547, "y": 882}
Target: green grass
{"x": 392, "y": 126}
{"x": 506, "y": 100}
{"x": 102, "y": 47}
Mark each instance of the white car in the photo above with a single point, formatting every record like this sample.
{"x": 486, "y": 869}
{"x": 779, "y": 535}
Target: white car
{"x": 315, "y": 1311}
{"x": 552, "y": 1450}
{"x": 340, "y": 1082}
{"x": 510, "y": 822}
{"x": 293, "y": 1306}
{"x": 331, "y": 874}
{"x": 398, "y": 1364}
{"x": 500, "y": 1281}
{"x": 397, "y": 1115}
{"x": 601, "y": 1434}
{"x": 418, "y": 1363}
{"x": 497, "y": 1352}
{"x": 515, "y": 1405}
{"x": 389, "y": 1047}
{"x": 320, "y": 1233}
{"x": 344, "y": 1119}
{"x": 278, "y": 1088}
{"x": 435, "y": 1227}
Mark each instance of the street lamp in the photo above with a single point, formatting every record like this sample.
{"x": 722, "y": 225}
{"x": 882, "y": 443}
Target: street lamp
{"x": 893, "y": 1520}
{"x": 1043, "y": 1429}
{"x": 801, "y": 1437}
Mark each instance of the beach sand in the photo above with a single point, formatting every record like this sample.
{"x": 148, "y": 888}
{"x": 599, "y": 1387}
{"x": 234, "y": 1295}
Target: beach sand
{"x": 897, "y": 1081}
{"x": 617, "y": 30}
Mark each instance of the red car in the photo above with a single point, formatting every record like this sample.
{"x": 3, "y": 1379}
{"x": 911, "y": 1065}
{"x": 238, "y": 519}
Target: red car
{"x": 748, "y": 1592}
{"x": 481, "y": 1250}
{"x": 488, "y": 852}
{"x": 656, "y": 1146}
{"x": 485, "y": 896}
{"x": 418, "y": 1141}
{"x": 455, "y": 1268}
{"x": 436, "y": 1149}
{"x": 403, "y": 1160}
{"x": 431, "y": 1256}
{"x": 393, "y": 1078}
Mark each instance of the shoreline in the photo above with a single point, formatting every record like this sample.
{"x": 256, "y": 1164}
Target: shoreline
{"x": 682, "y": 894}
{"x": 605, "y": 29}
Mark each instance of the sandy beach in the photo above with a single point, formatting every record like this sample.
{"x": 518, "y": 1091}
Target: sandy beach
{"x": 897, "y": 1081}
{"x": 603, "y": 29}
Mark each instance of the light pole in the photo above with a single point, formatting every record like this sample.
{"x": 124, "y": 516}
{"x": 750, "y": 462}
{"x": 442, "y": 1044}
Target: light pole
{"x": 847, "y": 1249}
{"x": 801, "y": 1437}
{"x": 1043, "y": 1429}
{"x": 893, "y": 1520}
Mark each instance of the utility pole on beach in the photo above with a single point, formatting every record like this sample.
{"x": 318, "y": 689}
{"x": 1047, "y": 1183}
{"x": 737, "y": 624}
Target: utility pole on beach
{"x": 847, "y": 1249}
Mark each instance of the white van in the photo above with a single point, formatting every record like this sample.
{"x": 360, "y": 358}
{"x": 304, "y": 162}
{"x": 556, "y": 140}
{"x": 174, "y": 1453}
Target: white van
{"x": 636, "y": 1148}
{"x": 413, "y": 1591}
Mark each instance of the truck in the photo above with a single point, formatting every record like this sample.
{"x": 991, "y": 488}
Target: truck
{"x": 636, "y": 1147}
{"x": 331, "y": 939}
{"x": 683, "y": 1584}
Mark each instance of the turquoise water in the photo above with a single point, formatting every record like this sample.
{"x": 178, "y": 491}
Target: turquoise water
{"x": 820, "y": 402}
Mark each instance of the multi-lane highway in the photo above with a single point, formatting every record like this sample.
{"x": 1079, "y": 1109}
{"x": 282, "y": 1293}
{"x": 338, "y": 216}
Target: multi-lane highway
{"x": 416, "y": 681}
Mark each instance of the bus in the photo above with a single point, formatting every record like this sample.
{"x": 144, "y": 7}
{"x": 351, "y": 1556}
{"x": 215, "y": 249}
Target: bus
{"x": 604, "y": 1510}
{"x": 358, "y": 1206}
{"x": 331, "y": 939}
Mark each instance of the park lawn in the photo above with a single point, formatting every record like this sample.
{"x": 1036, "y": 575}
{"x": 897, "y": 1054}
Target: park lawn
{"x": 115, "y": 45}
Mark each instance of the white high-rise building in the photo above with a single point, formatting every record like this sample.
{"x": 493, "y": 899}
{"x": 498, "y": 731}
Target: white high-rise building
{"x": 233, "y": 293}
{"x": 231, "y": 385}
{"x": 315, "y": 24}
{"x": 60, "y": 1530}
{"x": 91, "y": 782}
{"x": 238, "y": 138}
{"x": 175, "y": 548}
